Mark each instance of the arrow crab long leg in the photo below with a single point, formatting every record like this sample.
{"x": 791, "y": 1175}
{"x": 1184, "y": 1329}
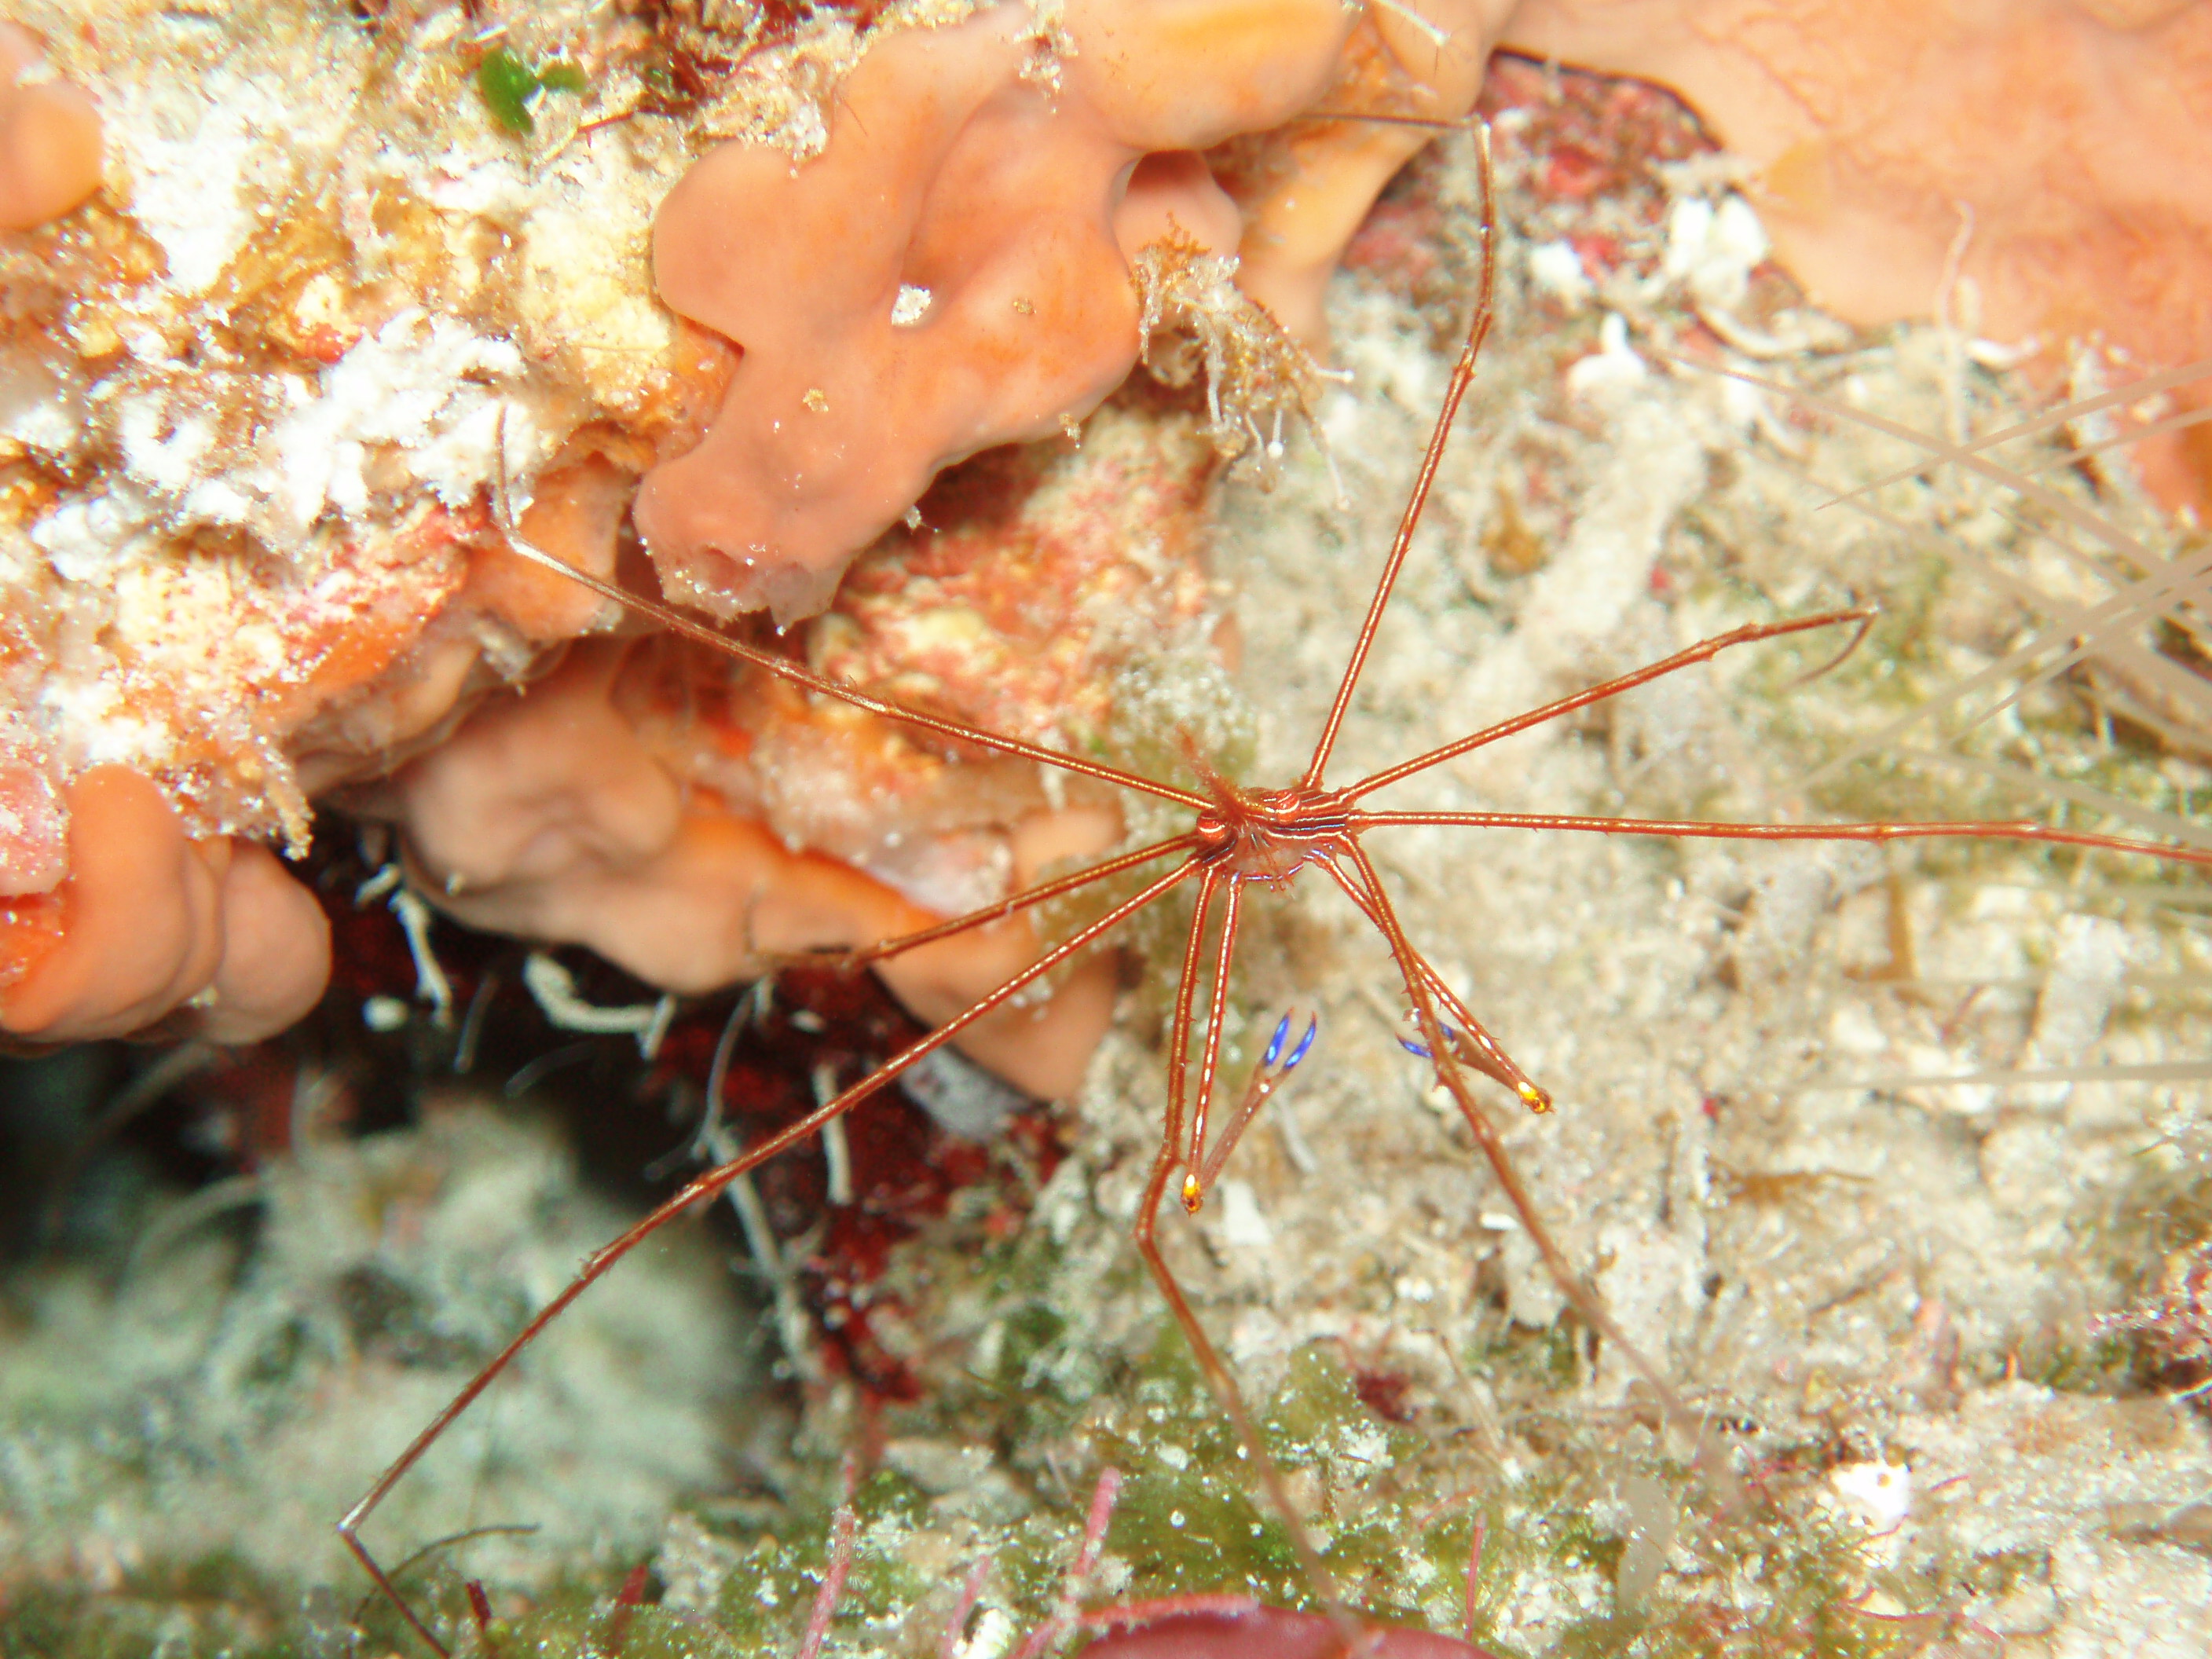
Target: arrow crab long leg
{"x": 692, "y": 628}
{"x": 1456, "y": 390}
{"x": 1165, "y": 1162}
{"x": 1675, "y": 829}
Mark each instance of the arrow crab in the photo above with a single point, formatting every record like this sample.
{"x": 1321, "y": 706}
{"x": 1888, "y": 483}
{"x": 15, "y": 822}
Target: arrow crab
{"x": 1240, "y": 847}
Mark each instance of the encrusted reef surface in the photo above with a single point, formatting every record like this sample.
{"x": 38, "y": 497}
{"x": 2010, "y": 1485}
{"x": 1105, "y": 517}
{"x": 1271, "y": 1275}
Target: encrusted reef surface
{"x": 1943, "y": 1329}
{"x": 265, "y": 382}
{"x": 363, "y": 305}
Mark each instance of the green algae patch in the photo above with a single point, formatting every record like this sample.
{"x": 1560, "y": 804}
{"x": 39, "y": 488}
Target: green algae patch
{"x": 1771, "y": 1587}
{"x": 509, "y": 87}
{"x": 1545, "y": 1357}
{"x": 214, "y": 1604}
{"x": 1192, "y": 1518}
{"x": 1187, "y": 1521}
{"x": 609, "y": 1627}
{"x": 1187, "y": 1532}
{"x": 764, "y": 1592}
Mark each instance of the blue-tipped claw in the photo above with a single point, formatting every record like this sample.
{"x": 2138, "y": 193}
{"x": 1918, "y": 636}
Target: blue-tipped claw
{"x": 1422, "y": 1049}
{"x": 1275, "y": 1045}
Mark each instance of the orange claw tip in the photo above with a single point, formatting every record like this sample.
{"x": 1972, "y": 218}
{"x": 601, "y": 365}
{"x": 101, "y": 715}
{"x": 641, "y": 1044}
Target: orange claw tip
{"x": 1193, "y": 1195}
{"x": 1536, "y": 1099}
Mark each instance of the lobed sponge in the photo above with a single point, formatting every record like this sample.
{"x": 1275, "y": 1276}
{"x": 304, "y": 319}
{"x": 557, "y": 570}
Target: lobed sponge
{"x": 946, "y": 275}
{"x": 550, "y": 816}
{"x": 698, "y": 821}
{"x": 150, "y": 918}
{"x": 952, "y": 271}
{"x": 50, "y": 143}
{"x": 1304, "y": 194}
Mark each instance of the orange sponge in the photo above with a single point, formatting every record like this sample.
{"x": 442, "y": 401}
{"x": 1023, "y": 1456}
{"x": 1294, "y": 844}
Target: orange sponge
{"x": 549, "y": 816}
{"x": 2042, "y": 167}
{"x": 944, "y": 277}
{"x": 1404, "y": 62}
{"x": 148, "y": 919}
{"x": 50, "y": 146}
{"x": 299, "y": 579}
{"x": 952, "y": 272}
